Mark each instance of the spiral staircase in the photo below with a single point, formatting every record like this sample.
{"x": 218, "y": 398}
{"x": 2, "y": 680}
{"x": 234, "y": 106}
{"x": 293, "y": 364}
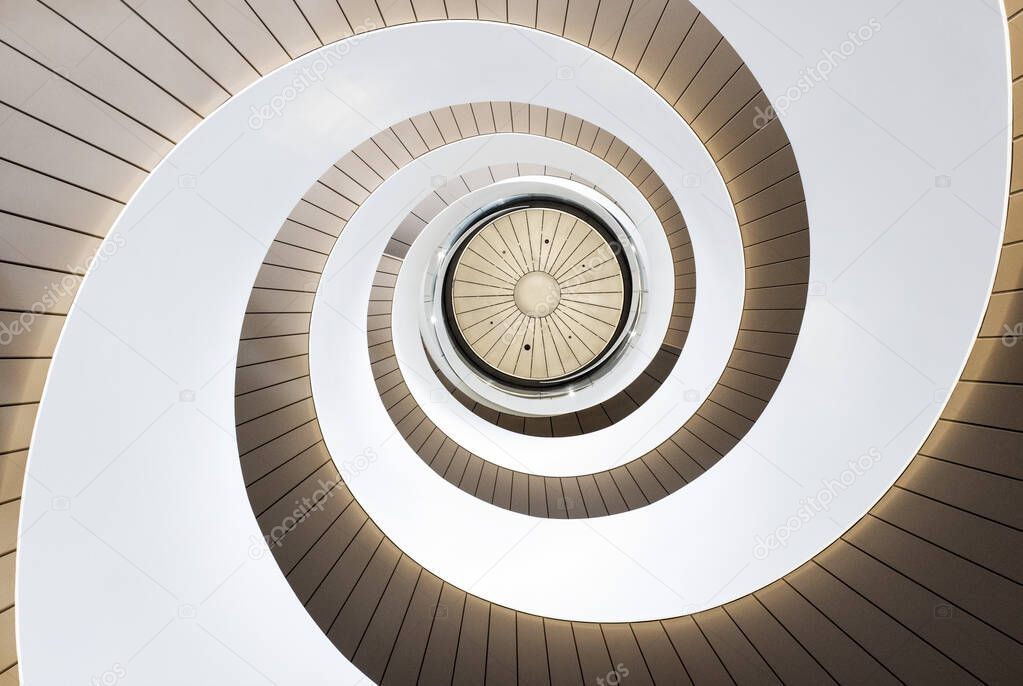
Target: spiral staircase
{"x": 508, "y": 342}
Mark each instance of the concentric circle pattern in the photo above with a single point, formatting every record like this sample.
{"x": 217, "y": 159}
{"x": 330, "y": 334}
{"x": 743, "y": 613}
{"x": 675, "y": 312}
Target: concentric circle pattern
{"x": 776, "y": 292}
{"x": 139, "y": 145}
{"x": 538, "y": 295}
{"x": 578, "y": 133}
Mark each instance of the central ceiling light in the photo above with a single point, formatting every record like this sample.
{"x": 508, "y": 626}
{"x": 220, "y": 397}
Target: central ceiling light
{"x": 537, "y": 294}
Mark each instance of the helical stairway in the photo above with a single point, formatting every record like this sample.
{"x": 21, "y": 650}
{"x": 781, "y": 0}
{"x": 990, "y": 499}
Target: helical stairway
{"x": 507, "y": 342}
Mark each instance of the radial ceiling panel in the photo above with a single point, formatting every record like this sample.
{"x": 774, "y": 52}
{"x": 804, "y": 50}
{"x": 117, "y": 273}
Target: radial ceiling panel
{"x": 538, "y": 295}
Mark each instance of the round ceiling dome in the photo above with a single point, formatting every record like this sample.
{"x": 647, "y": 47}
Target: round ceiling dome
{"x": 537, "y": 293}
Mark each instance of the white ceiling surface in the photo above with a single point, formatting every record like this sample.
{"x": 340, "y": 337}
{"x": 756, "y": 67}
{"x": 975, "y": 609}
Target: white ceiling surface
{"x": 136, "y": 532}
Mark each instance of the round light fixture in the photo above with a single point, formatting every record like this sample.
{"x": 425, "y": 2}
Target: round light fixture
{"x": 537, "y": 293}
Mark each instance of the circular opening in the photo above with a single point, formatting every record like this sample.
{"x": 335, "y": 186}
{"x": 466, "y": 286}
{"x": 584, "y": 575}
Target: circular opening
{"x": 537, "y": 293}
